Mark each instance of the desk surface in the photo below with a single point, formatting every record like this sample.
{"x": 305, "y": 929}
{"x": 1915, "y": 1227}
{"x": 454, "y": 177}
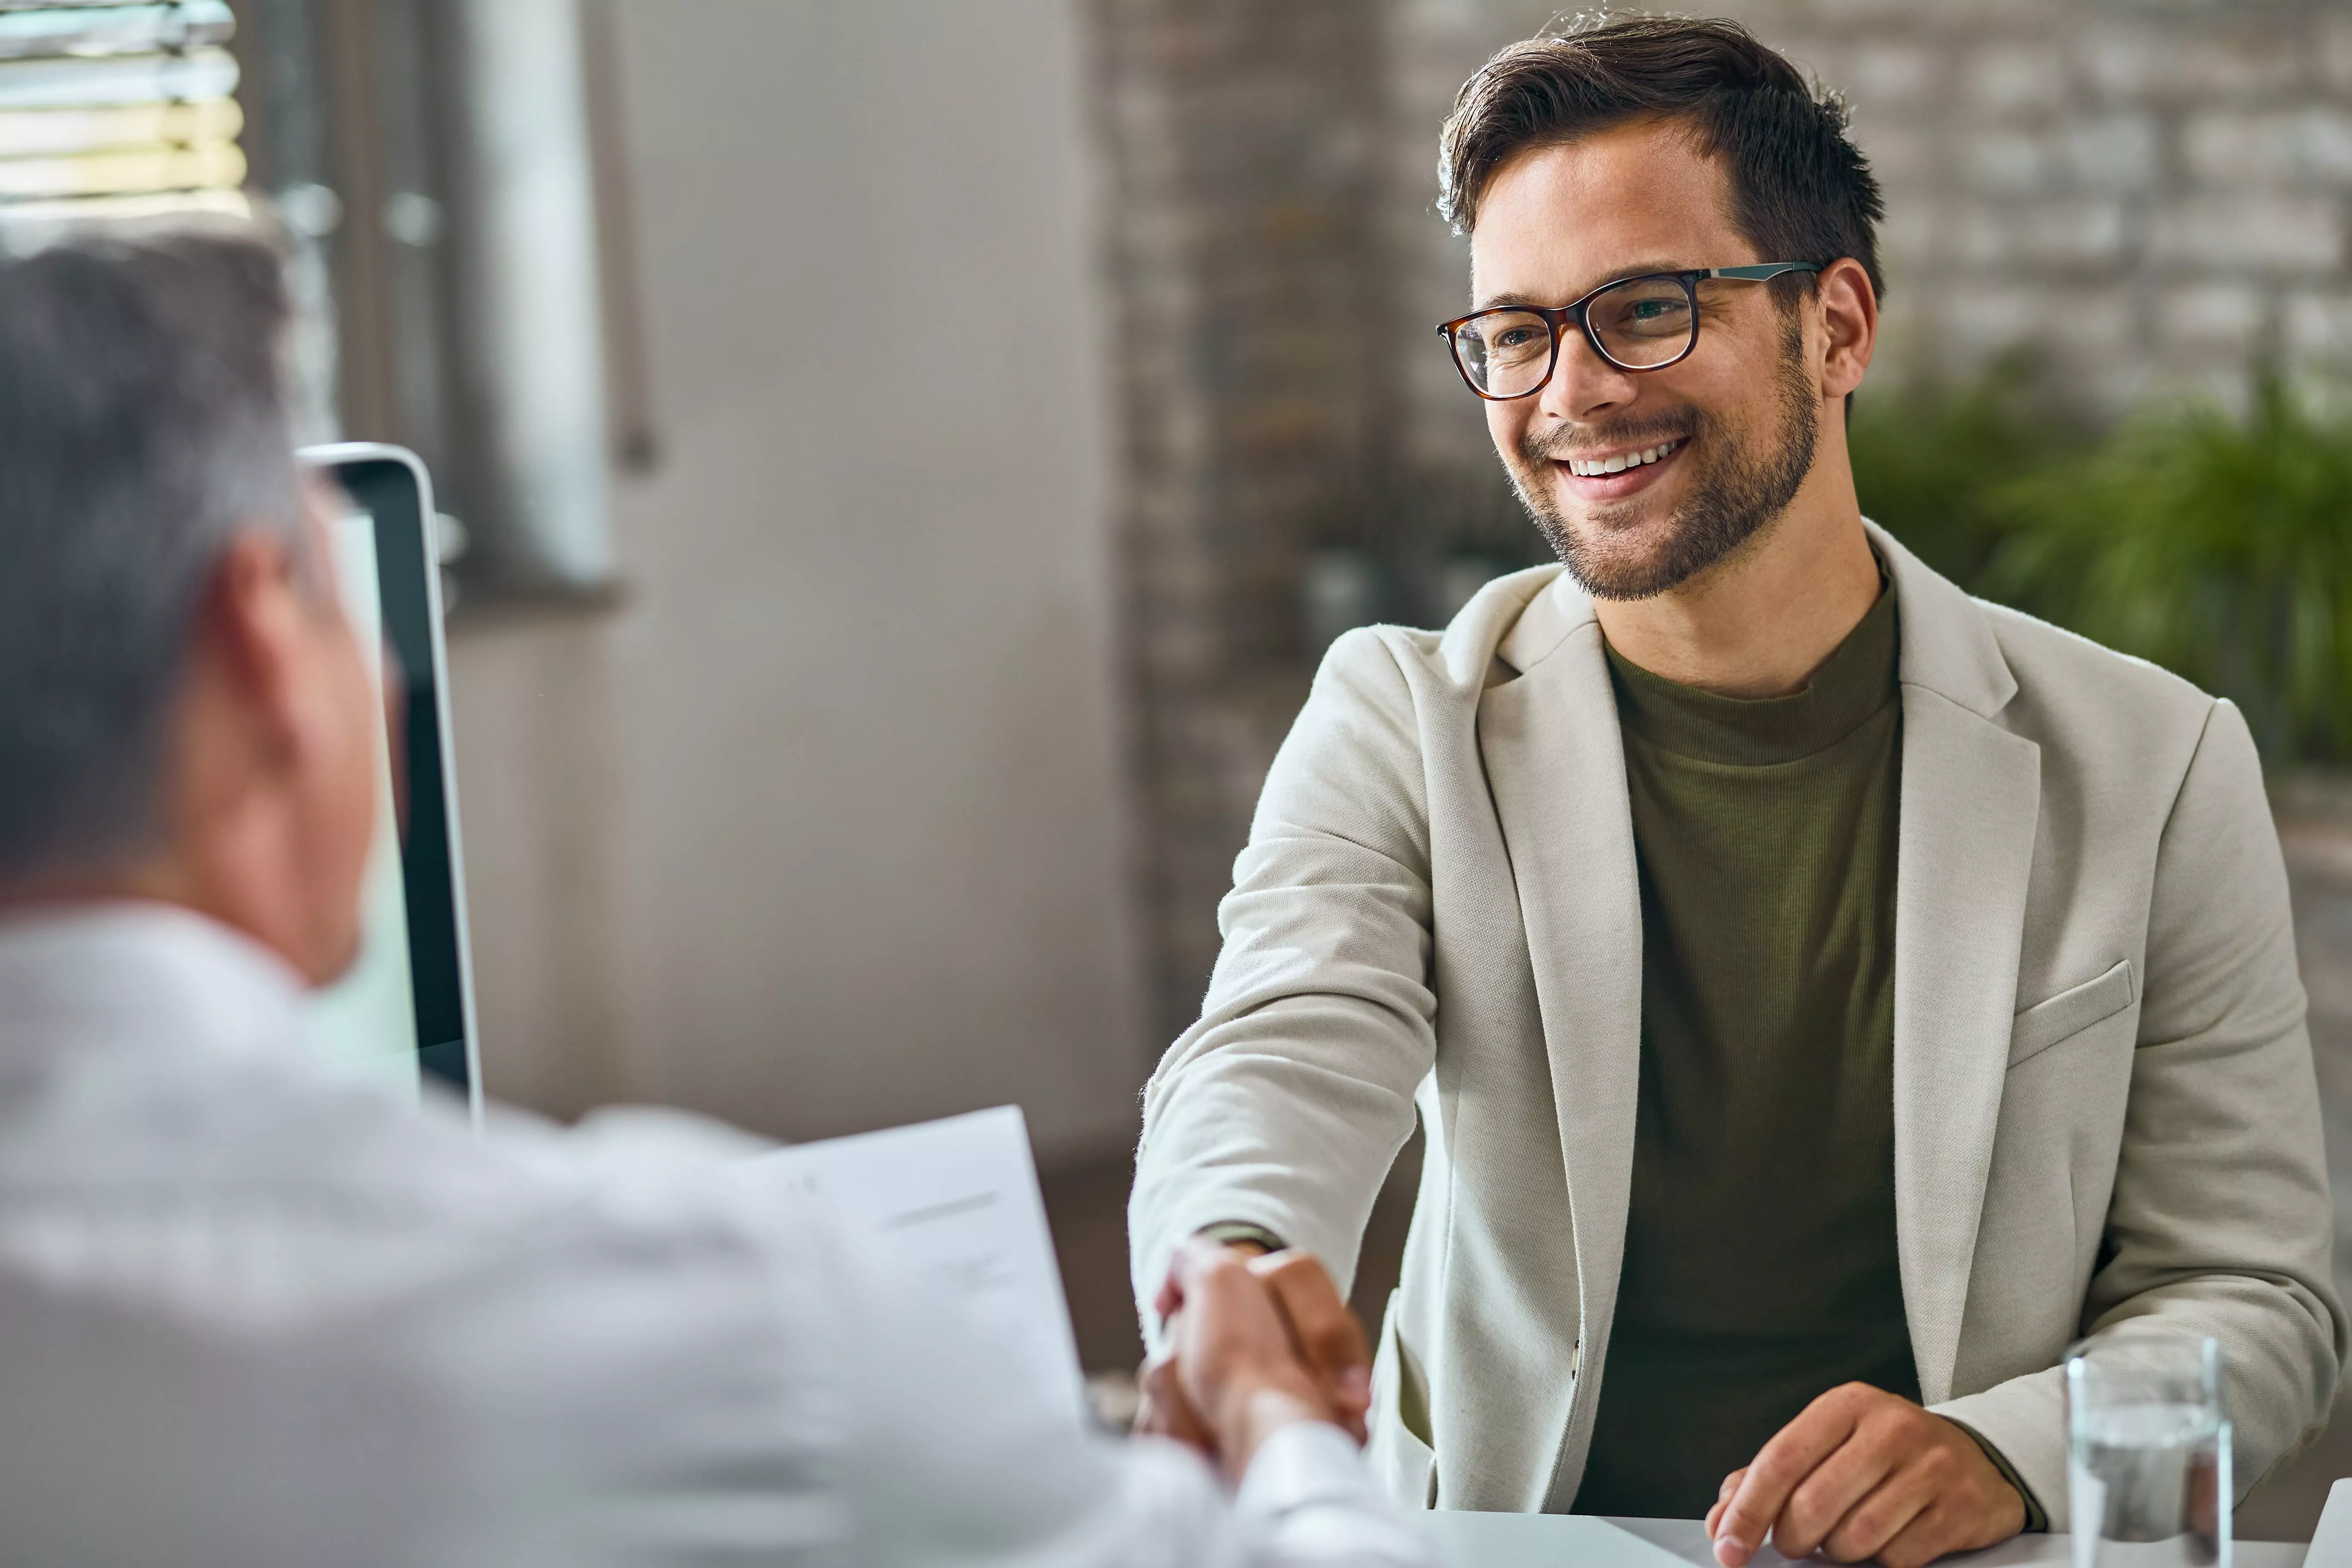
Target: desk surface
{"x": 1538, "y": 1539}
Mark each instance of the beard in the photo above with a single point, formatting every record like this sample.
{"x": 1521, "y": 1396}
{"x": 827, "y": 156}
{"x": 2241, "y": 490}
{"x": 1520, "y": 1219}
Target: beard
{"x": 1735, "y": 494}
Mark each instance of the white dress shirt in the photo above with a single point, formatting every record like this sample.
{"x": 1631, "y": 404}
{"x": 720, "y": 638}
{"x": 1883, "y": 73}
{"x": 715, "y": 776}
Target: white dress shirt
{"x": 253, "y": 1313}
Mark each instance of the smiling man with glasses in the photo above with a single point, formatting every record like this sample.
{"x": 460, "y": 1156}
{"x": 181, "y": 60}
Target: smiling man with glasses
{"x": 1826, "y": 996}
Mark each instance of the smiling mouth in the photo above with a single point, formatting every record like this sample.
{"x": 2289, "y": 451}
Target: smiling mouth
{"x": 1617, "y": 463}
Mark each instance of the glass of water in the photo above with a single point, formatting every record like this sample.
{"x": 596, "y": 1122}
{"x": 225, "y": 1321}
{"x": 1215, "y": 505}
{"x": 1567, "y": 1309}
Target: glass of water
{"x": 2149, "y": 1481}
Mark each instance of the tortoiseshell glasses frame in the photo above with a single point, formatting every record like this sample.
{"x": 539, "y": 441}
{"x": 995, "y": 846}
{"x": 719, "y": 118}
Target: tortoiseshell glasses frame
{"x": 1647, "y": 322}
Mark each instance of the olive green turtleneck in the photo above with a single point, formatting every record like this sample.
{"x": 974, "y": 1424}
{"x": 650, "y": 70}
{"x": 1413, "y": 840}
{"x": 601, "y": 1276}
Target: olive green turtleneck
{"x": 1760, "y": 1265}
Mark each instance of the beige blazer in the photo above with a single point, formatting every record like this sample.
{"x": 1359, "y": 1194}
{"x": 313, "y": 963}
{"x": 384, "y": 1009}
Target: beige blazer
{"x": 2103, "y": 1100}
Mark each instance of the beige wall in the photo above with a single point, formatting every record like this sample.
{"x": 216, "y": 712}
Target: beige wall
{"x": 822, "y": 829}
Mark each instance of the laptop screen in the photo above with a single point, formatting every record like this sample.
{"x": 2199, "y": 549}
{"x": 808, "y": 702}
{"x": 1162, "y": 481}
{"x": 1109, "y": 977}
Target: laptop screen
{"x": 404, "y": 1011}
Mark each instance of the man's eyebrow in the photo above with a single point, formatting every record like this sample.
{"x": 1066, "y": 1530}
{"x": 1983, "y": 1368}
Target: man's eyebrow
{"x": 1638, "y": 269}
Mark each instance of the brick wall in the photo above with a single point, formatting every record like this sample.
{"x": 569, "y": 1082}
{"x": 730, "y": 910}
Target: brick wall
{"x": 1238, "y": 150}
{"x": 2149, "y": 189}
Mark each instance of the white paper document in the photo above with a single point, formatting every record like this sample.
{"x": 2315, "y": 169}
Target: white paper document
{"x": 958, "y": 1201}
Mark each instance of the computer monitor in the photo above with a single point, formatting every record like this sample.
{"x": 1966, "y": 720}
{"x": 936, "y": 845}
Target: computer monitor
{"x": 405, "y": 1013}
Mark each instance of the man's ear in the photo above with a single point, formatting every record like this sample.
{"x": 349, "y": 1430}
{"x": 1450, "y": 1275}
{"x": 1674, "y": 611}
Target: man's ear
{"x": 251, "y": 627}
{"x": 1849, "y": 316}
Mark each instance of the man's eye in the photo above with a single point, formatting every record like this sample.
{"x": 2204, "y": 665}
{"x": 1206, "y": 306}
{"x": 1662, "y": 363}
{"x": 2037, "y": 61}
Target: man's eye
{"x": 1651, "y": 310}
{"x": 1514, "y": 338}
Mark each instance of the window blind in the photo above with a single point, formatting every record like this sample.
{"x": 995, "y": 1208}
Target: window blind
{"x": 108, "y": 110}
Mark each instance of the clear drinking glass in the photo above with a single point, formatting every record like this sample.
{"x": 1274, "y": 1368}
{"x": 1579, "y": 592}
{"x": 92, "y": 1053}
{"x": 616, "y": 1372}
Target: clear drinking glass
{"x": 2148, "y": 1479}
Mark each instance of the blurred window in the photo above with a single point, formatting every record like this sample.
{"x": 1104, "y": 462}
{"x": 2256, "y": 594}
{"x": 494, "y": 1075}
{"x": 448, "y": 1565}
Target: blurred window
{"x": 446, "y": 174}
{"x": 111, "y": 110}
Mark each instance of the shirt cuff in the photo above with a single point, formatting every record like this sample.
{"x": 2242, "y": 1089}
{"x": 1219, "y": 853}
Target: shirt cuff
{"x": 2036, "y": 1519}
{"x": 1307, "y": 1464}
{"x": 1232, "y": 1230}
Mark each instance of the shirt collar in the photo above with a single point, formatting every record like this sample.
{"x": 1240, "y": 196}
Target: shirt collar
{"x": 138, "y": 974}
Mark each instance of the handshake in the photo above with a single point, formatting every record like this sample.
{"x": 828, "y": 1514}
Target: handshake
{"x": 1253, "y": 1343}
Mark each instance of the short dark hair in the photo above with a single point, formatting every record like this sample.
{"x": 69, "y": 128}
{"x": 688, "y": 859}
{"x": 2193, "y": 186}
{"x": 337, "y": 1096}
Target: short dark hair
{"x": 143, "y": 421}
{"x": 1801, "y": 189}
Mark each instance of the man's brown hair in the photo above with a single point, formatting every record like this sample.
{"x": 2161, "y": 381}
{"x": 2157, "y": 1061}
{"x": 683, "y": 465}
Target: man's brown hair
{"x": 1801, "y": 189}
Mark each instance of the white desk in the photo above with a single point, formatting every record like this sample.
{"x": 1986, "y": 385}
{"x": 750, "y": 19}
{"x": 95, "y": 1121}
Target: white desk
{"x": 1569, "y": 1541}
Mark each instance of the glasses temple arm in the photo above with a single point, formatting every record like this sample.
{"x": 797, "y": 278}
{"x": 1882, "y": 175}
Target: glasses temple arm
{"x": 1762, "y": 270}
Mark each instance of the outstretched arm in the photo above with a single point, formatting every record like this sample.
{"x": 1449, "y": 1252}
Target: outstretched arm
{"x": 1285, "y": 1104}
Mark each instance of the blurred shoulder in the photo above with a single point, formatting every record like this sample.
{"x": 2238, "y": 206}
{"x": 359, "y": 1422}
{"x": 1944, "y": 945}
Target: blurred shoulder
{"x": 380, "y": 1193}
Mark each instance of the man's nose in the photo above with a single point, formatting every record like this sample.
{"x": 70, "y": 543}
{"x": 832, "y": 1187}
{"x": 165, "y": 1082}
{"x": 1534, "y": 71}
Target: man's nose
{"x": 1584, "y": 384}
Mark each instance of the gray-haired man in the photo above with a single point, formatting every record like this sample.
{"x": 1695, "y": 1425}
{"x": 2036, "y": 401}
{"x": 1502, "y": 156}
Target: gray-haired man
{"x": 250, "y": 1314}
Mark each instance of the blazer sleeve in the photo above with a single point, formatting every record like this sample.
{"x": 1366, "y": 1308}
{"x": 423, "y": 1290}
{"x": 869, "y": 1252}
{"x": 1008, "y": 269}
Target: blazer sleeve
{"x": 2220, "y": 1222}
{"x": 1284, "y": 1107}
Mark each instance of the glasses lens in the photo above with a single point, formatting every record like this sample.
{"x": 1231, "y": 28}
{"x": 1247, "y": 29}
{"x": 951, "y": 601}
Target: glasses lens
{"x": 1505, "y": 354}
{"x": 1643, "y": 321}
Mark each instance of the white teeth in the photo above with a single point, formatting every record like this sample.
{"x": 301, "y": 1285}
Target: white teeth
{"x": 1593, "y": 467}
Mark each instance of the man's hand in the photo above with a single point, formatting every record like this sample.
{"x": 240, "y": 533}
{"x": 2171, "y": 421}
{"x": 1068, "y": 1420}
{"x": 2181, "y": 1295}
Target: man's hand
{"x": 1865, "y": 1473}
{"x": 1233, "y": 1375}
{"x": 1323, "y": 1330}
{"x": 1324, "y": 1335}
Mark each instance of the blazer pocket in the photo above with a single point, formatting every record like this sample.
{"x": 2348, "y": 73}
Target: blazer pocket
{"x": 2071, "y": 1012}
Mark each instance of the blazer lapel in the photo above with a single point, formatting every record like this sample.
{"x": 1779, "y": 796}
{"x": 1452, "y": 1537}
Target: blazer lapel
{"x": 1556, "y": 766}
{"x": 1970, "y": 807}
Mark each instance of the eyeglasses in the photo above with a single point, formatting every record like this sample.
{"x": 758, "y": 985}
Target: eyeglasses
{"x": 1635, "y": 323}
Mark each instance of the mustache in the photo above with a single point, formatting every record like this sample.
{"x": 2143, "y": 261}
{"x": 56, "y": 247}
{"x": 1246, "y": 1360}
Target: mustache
{"x": 1563, "y": 443}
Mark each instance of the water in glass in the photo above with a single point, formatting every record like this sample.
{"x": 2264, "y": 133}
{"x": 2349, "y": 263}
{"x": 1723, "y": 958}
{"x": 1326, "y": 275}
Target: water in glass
{"x": 2149, "y": 1479}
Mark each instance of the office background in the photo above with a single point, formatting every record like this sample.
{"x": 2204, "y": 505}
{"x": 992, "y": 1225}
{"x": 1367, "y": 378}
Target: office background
{"x": 909, "y": 457}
